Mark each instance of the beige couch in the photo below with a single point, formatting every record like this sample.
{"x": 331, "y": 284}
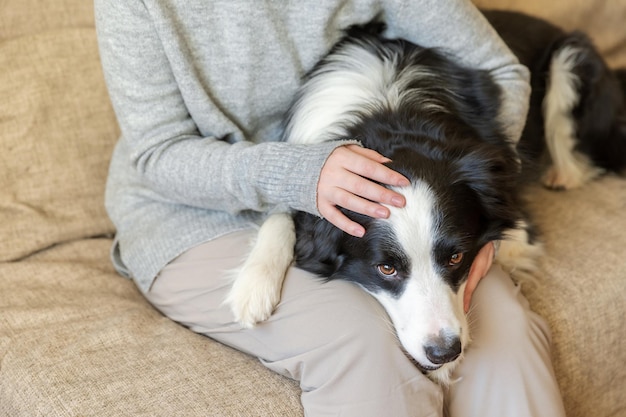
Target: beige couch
{"x": 76, "y": 339}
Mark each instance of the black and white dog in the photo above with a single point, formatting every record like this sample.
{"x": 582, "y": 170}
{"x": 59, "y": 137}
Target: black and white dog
{"x": 436, "y": 121}
{"x": 577, "y": 110}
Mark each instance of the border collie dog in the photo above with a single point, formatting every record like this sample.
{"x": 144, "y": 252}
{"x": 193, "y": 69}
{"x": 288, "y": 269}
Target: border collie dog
{"x": 436, "y": 121}
{"x": 577, "y": 117}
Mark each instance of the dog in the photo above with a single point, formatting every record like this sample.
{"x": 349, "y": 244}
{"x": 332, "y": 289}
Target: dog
{"x": 436, "y": 121}
{"x": 577, "y": 116}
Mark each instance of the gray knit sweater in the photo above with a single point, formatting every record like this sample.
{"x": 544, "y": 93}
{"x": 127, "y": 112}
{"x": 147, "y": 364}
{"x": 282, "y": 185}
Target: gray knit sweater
{"x": 199, "y": 88}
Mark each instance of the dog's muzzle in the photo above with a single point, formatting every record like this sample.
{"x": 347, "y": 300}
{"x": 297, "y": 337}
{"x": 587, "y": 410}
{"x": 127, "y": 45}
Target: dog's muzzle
{"x": 443, "y": 348}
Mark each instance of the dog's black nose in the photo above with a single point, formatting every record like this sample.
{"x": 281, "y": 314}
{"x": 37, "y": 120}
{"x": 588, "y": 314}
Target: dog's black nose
{"x": 443, "y": 349}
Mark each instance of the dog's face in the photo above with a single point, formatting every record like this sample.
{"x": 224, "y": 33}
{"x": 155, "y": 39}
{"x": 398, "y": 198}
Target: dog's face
{"x": 416, "y": 262}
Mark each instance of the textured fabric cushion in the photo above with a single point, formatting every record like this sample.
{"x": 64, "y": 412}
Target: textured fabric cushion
{"x": 78, "y": 340}
{"x": 581, "y": 292}
{"x": 602, "y": 20}
{"x": 26, "y": 17}
{"x": 57, "y": 129}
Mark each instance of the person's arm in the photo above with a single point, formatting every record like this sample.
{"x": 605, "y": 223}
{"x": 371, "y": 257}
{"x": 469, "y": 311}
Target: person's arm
{"x": 458, "y": 27}
{"x": 171, "y": 156}
{"x": 168, "y": 151}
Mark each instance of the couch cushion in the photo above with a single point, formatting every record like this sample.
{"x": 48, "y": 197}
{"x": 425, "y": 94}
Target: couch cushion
{"x": 76, "y": 339}
{"x": 603, "y": 21}
{"x": 57, "y": 130}
{"x": 580, "y": 292}
{"x": 25, "y": 17}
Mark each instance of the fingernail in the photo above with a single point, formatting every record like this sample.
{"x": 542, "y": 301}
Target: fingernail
{"x": 397, "y": 201}
{"x": 382, "y": 213}
{"x": 358, "y": 232}
{"x": 404, "y": 182}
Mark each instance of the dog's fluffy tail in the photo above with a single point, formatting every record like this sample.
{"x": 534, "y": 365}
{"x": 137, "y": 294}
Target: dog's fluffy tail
{"x": 520, "y": 253}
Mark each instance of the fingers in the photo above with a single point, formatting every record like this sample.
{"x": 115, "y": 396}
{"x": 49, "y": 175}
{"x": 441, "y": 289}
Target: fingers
{"x": 349, "y": 180}
{"x": 480, "y": 267}
{"x": 359, "y": 195}
{"x": 345, "y": 198}
{"x": 369, "y": 164}
{"x": 338, "y": 219}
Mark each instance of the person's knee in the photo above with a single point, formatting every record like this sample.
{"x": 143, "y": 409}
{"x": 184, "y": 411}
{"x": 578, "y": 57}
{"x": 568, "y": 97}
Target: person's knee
{"x": 348, "y": 336}
{"x": 363, "y": 371}
{"x": 502, "y": 316}
{"x": 371, "y": 337}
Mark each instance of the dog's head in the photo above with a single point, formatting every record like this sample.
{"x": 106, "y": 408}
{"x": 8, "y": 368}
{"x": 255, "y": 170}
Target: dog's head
{"x": 416, "y": 262}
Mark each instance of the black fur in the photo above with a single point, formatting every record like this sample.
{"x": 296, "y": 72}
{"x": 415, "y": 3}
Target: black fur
{"x": 461, "y": 153}
{"x": 600, "y": 116}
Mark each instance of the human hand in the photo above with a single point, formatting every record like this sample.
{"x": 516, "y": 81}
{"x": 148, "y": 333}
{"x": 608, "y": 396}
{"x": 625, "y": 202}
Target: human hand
{"x": 347, "y": 180}
{"x": 478, "y": 270}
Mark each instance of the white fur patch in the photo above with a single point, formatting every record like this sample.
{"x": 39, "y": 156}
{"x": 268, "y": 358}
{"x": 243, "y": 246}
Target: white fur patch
{"x": 569, "y": 169}
{"x": 428, "y": 306}
{"x": 354, "y": 83}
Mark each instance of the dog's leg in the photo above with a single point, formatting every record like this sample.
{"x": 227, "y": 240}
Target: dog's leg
{"x": 570, "y": 168}
{"x": 257, "y": 286}
{"x": 520, "y": 253}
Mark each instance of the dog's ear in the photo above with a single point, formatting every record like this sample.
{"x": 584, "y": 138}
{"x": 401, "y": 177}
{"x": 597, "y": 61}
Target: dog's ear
{"x": 318, "y": 245}
{"x": 493, "y": 176}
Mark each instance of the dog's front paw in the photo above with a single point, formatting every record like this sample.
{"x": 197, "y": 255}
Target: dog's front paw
{"x": 258, "y": 284}
{"x": 255, "y": 294}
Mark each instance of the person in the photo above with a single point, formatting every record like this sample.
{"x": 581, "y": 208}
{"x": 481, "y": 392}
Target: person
{"x": 199, "y": 89}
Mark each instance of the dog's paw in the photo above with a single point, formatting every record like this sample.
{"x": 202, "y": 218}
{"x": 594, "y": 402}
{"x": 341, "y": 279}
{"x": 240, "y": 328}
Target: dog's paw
{"x": 559, "y": 180}
{"x": 257, "y": 286}
{"x": 573, "y": 172}
{"x": 554, "y": 179}
{"x": 255, "y": 294}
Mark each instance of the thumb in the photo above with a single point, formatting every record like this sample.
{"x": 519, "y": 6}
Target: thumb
{"x": 478, "y": 270}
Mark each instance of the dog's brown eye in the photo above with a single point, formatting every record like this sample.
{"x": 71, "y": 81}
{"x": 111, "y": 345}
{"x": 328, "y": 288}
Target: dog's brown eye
{"x": 387, "y": 270}
{"x": 455, "y": 259}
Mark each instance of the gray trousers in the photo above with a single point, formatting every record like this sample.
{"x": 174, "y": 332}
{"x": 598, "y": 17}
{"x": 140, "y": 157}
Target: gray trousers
{"x": 338, "y": 342}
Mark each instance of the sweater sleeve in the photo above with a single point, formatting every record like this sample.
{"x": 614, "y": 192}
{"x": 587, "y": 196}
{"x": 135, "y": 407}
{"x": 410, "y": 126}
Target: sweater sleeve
{"x": 459, "y": 28}
{"x": 168, "y": 153}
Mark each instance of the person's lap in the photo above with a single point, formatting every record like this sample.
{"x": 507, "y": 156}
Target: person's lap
{"x": 338, "y": 342}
